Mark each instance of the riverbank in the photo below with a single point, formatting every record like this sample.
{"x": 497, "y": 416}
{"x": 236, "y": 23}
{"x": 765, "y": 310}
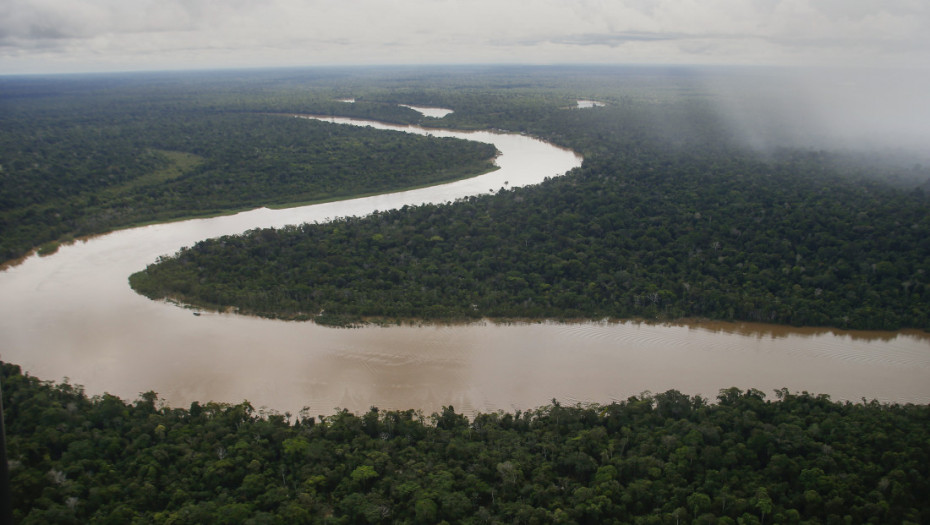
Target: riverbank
{"x": 665, "y": 448}
{"x": 230, "y": 161}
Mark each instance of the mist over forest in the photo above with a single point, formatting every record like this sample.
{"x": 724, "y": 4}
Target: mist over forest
{"x": 884, "y": 112}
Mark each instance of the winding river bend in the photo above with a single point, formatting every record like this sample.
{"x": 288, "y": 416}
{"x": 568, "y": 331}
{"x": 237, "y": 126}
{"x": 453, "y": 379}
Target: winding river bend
{"x": 73, "y": 315}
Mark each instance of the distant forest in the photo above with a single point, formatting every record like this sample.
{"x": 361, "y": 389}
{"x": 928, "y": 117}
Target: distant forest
{"x": 86, "y": 156}
{"x": 676, "y": 213}
{"x": 654, "y": 458}
{"x": 681, "y": 209}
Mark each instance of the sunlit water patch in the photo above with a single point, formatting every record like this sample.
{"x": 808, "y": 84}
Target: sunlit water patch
{"x": 429, "y": 111}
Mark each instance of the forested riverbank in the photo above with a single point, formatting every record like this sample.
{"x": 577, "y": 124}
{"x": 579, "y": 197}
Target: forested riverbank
{"x": 652, "y": 458}
{"x": 678, "y": 212}
{"x": 86, "y": 156}
{"x": 796, "y": 237}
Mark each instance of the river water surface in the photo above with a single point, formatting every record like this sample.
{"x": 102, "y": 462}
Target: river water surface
{"x": 73, "y": 315}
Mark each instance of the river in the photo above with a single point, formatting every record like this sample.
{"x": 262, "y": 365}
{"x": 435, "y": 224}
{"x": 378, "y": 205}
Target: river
{"x": 72, "y": 315}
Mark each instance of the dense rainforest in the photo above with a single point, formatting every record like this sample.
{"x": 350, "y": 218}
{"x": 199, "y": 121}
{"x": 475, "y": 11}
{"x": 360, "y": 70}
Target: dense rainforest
{"x": 675, "y": 213}
{"x": 88, "y": 155}
{"x": 654, "y": 458}
{"x": 787, "y": 241}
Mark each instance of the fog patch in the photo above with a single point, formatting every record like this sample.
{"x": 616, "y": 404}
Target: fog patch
{"x": 863, "y": 110}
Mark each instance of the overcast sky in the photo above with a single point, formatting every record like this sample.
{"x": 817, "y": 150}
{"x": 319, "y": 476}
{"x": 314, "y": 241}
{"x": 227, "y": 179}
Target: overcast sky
{"x": 63, "y": 36}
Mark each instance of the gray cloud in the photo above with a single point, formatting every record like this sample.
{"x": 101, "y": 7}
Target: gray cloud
{"x": 617, "y": 39}
{"x": 55, "y": 35}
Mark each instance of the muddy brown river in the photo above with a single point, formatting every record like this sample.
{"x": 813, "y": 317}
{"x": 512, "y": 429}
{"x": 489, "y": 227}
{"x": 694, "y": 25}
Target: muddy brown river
{"x": 72, "y": 315}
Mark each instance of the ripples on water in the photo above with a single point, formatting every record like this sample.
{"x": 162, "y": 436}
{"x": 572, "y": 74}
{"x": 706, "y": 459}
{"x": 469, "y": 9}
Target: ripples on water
{"x": 905, "y": 349}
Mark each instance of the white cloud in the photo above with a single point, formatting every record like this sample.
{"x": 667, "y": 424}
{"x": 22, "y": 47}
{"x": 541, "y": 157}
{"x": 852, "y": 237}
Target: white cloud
{"x": 57, "y": 35}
